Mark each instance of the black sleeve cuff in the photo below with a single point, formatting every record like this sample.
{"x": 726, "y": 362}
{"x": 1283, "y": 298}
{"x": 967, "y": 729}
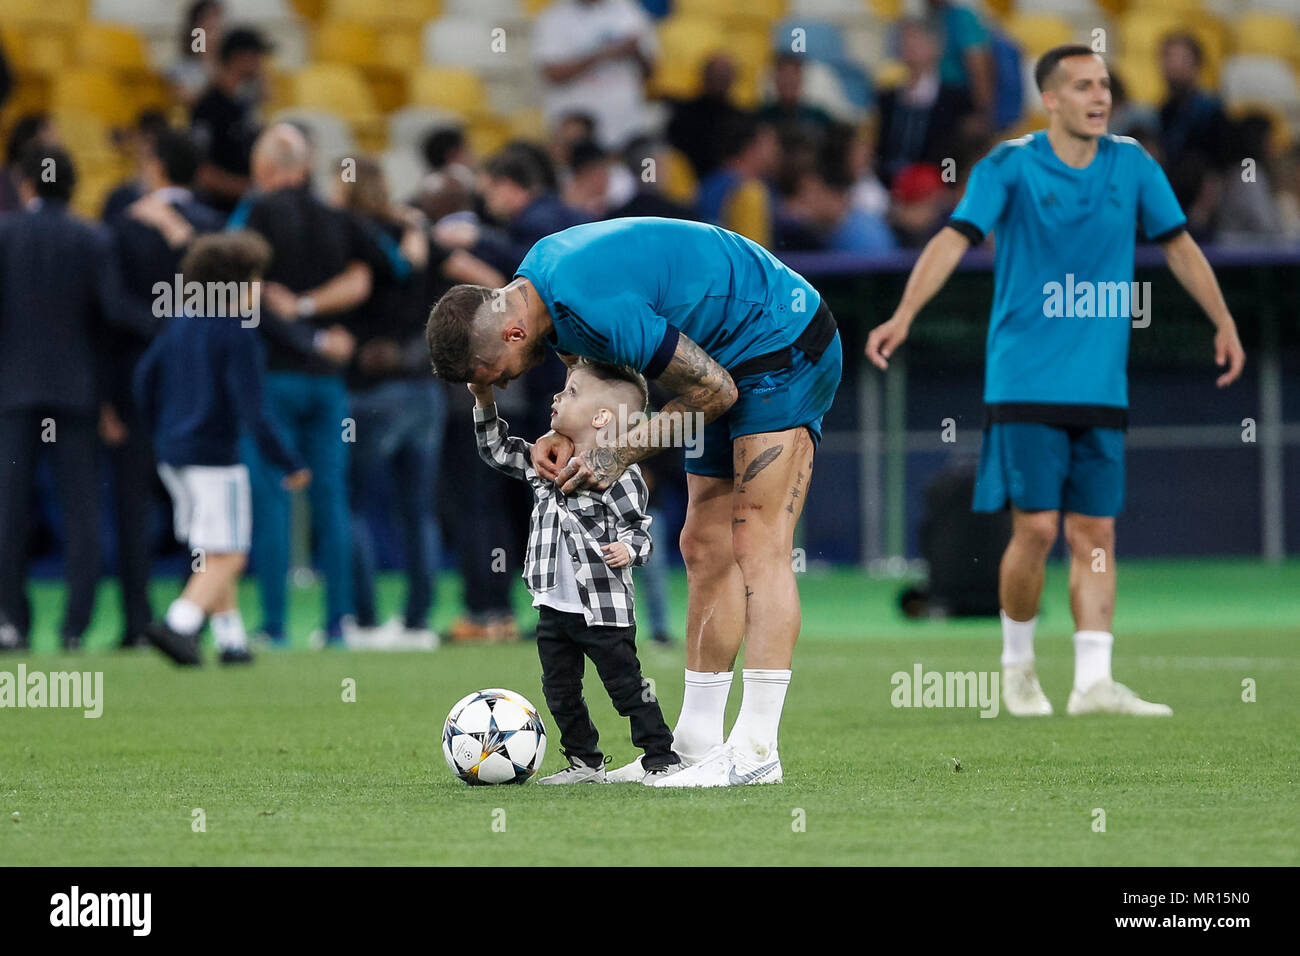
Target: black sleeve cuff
{"x": 968, "y": 229}
{"x": 1169, "y": 233}
{"x": 664, "y": 354}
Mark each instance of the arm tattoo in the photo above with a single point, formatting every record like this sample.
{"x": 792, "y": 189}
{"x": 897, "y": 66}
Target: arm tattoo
{"x": 700, "y": 386}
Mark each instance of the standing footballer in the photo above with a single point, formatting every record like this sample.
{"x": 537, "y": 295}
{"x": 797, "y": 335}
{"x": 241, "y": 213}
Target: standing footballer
{"x": 1063, "y": 204}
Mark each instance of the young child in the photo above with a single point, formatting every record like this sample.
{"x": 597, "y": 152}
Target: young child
{"x": 580, "y": 551}
{"x": 198, "y": 383}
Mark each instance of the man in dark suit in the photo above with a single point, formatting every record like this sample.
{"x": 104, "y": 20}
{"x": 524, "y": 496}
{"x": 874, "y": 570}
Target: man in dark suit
{"x": 921, "y": 119}
{"x": 58, "y": 281}
{"x": 150, "y": 235}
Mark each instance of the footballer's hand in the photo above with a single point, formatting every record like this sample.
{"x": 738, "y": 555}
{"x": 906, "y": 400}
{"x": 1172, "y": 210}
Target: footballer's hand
{"x": 617, "y": 554}
{"x": 885, "y": 338}
{"x": 1228, "y": 351}
{"x": 296, "y": 480}
{"x": 548, "y": 454}
{"x": 596, "y": 470}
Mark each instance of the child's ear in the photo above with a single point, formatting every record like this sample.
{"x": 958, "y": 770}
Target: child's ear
{"x": 602, "y": 418}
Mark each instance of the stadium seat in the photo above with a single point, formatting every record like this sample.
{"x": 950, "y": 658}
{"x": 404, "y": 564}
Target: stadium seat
{"x": 448, "y": 88}
{"x": 1142, "y": 79}
{"x": 1141, "y": 33}
{"x": 401, "y": 49}
{"x": 475, "y": 43}
{"x": 403, "y": 168}
{"x": 109, "y": 47}
{"x": 678, "y": 180}
{"x": 346, "y": 41}
{"x": 1066, "y": 9}
{"x": 487, "y": 134}
{"x": 1267, "y": 34}
{"x": 139, "y": 13}
{"x": 408, "y": 126}
{"x": 1039, "y": 32}
{"x": 34, "y": 50}
{"x": 841, "y": 12}
{"x": 489, "y": 11}
{"x": 340, "y": 89}
{"x": 92, "y": 91}
{"x": 527, "y": 124}
{"x": 684, "y": 44}
{"x": 260, "y": 12}
{"x": 409, "y": 13}
{"x": 752, "y": 13}
{"x": 1259, "y": 79}
{"x": 50, "y": 14}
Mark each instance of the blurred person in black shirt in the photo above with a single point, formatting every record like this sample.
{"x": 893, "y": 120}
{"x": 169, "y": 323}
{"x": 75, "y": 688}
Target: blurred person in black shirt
{"x": 322, "y": 265}
{"x": 693, "y": 128}
{"x": 225, "y": 117}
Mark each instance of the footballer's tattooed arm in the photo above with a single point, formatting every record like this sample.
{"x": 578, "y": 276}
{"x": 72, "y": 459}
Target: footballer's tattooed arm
{"x": 701, "y": 387}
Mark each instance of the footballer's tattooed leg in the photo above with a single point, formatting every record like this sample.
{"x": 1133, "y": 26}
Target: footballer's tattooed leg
{"x": 775, "y": 470}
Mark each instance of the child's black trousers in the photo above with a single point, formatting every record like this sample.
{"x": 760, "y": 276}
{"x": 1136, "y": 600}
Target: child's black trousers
{"x": 563, "y": 640}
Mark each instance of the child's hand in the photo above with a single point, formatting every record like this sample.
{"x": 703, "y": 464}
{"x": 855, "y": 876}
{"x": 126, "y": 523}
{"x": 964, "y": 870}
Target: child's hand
{"x": 617, "y": 555}
{"x": 297, "y": 480}
{"x": 483, "y": 394}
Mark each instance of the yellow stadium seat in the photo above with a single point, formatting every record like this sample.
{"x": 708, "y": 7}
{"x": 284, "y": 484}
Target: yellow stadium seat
{"x": 409, "y": 12}
{"x": 340, "y": 89}
{"x": 889, "y": 74}
{"x": 534, "y": 7}
{"x": 347, "y": 42}
{"x": 460, "y": 91}
{"x": 1038, "y": 32}
{"x": 310, "y": 9}
{"x": 487, "y": 134}
{"x": 684, "y": 44}
{"x": 110, "y": 47}
{"x": 401, "y": 50}
{"x": 61, "y": 14}
{"x": 1142, "y": 32}
{"x": 88, "y": 90}
{"x": 888, "y": 10}
{"x": 732, "y": 12}
{"x": 528, "y": 124}
{"x": 1270, "y": 34}
{"x": 1142, "y": 80}
{"x": 678, "y": 180}
{"x": 35, "y": 51}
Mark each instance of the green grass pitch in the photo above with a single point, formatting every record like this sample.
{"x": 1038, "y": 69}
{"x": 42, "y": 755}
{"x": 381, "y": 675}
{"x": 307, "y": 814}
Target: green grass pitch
{"x": 286, "y": 772}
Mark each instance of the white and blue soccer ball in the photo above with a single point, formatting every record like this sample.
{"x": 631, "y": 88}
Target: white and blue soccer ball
{"x": 494, "y": 736}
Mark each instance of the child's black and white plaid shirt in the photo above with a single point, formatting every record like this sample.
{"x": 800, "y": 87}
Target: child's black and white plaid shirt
{"x": 579, "y": 523}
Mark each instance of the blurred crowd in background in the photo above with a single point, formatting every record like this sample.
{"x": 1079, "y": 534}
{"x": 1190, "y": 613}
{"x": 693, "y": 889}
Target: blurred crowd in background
{"x": 390, "y": 150}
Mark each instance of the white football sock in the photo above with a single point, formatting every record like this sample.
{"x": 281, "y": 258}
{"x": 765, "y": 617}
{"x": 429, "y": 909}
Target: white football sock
{"x": 228, "y": 629}
{"x": 704, "y": 704}
{"x": 1017, "y": 640}
{"x": 184, "y": 616}
{"x": 1091, "y": 658}
{"x": 760, "y": 712}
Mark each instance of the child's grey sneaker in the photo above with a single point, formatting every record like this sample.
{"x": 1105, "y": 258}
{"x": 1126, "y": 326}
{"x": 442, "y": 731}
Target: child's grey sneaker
{"x": 575, "y": 772}
{"x": 659, "y": 773}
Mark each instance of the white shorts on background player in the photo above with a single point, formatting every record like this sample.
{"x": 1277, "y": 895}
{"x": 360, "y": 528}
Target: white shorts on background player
{"x": 212, "y": 506}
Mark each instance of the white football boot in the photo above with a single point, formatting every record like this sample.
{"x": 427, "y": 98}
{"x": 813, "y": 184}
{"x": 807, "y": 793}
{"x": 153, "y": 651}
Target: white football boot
{"x": 1022, "y": 695}
{"x": 634, "y": 772}
{"x": 724, "y": 766}
{"x": 1109, "y": 697}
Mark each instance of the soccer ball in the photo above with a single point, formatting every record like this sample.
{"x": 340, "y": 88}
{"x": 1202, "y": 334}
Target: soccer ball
{"x": 494, "y": 736}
